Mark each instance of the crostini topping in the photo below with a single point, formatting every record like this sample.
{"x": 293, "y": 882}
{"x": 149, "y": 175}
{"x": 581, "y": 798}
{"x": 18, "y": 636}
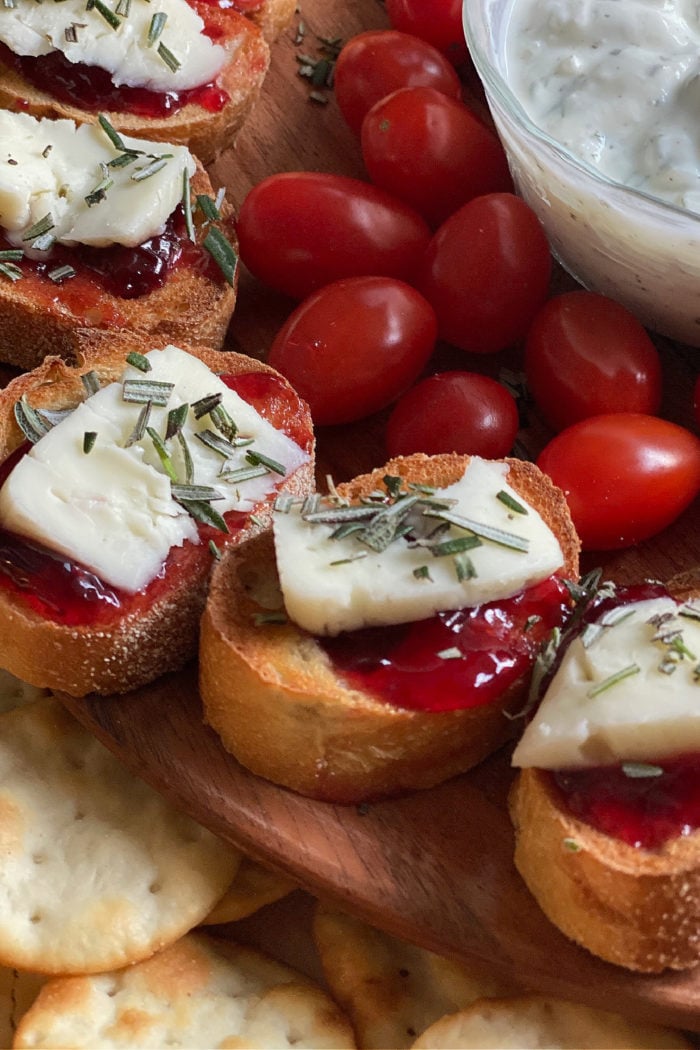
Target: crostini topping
{"x": 155, "y": 44}
{"x": 87, "y": 188}
{"x": 627, "y": 690}
{"x": 410, "y": 551}
{"x": 119, "y": 509}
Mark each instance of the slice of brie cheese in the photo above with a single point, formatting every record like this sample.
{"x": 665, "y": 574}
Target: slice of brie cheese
{"x": 615, "y": 700}
{"x": 112, "y": 509}
{"x": 126, "y": 49}
{"x": 51, "y": 168}
{"x": 333, "y": 585}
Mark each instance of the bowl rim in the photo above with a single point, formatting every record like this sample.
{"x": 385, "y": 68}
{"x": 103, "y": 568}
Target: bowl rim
{"x": 496, "y": 84}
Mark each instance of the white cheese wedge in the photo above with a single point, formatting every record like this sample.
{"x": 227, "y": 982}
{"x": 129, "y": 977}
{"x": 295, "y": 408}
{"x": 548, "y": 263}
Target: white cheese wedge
{"x": 589, "y": 718}
{"x": 30, "y": 29}
{"x": 112, "y": 509}
{"x": 333, "y": 585}
{"x": 51, "y": 167}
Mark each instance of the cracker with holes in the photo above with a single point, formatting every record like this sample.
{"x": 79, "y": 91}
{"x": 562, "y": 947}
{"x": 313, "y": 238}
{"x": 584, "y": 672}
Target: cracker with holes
{"x": 252, "y": 888}
{"x": 392, "y": 990}
{"x": 199, "y": 992}
{"x": 96, "y": 869}
{"x": 539, "y": 1021}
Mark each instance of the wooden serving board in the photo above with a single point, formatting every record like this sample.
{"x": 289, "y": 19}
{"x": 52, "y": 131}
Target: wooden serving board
{"x": 436, "y": 867}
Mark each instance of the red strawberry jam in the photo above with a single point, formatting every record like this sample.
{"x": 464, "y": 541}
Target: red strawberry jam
{"x": 68, "y": 593}
{"x": 120, "y": 271}
{"x": 643, "y": 811}
{"x": 490, "y": 646}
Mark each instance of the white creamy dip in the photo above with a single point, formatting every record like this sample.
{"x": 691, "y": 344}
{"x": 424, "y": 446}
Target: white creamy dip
{"x": 618, "y": 83}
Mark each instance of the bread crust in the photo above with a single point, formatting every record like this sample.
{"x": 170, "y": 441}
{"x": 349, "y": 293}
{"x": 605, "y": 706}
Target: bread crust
{"x": 273, "y": 17}
{"x": 141, "y": 645}
{"x": 634, "y": 907}
{"x": 206, "y": 133}
{"x": 190, "y": 307}
{"x": 274, "y": 699}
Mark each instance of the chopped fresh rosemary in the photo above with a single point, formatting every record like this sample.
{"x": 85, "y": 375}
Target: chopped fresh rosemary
{"x": 216, "y": 443}
{"x": 208, "y": 207}
{"x": 176, "y": 420}
{"x": 156, "y": 27}
{"x": 486, "y": 532}
{"x": 139, "y": 361}
{"x": 139, "y": 391}
{"x": 464, "y": 567}
{"x": 89, "y": 439}
{"x": 357, "y": 556}
{"x": 187, "y": 204}
{"x": 422, "y": 572}
{"x": 140, "y": 426}
{"x": 202, "y": 512}
{"x": 571, "y": 845}
{"x": 223, "y": 422}
{"x": 186, "y": 457}
{"x": 511, "y": 502}
{"x": 274, "y": 616}
{"x": 259, "y": 459}
{"x": 39, "y": 229}
{"x": 689, "y": 611}
{"x": 99, "y": 193}
{"x": 222, "y": 253}
{"x": 109, "y": 16}
{"x": 214, "y": 551}
{"x": 11, "y": 271}
{"x": 195, "y": 492}
{"x": 163, "y": 454}
{"x": 156, "y": 165}
{"x": 91, "y": 382}
{"x": 456, "y": 545}
{"x": 11, "y": 255}
{"x": 169, "y": 58}
{"x": 61, "y": 273}
{"x": 204, "y": 405}
{"x": 613, "y": 679}
{"x": 112, "y": 134}
{"x": 243, "y": 474}
{"x": 123, "y": 8}
{"x": 33, "y": 423}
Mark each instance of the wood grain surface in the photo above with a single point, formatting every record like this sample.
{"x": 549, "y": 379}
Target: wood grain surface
{"x": 435, "y": 868}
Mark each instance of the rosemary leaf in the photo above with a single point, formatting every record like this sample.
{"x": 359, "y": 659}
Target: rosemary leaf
{"x": 140, "y": 426}
{"x": 258, "y": 459}
{"x": 176, "y": 420}
{"x": 89, "y": 439}
{"x": 613, "y": 679}
{"x": 202, "y": 512}
{"x": 163, "y": 454}
{"x": 139, "y": 361}
{"x": 91, "y": 382}
{"x": 138, "y": 391}
{"x": 222, "y": 253}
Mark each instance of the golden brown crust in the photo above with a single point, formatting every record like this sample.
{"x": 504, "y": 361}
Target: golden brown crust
{"x": 273, "y": 17}
{"x": 139, "y": 646}
{"x": 190, "y": 307}
{"x": 206, "y": 133}
{"x": 274, "y": 699}
{"x": 634, "y": 907}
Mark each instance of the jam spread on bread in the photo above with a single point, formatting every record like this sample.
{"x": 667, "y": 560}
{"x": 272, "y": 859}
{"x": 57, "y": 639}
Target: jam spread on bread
{"x": 642, "y": 803}
{"x": 458, "y": 659}
{"x": 91, "y": 88}
{"x": 121, "y": 271}
{"x": 68, "y": 593}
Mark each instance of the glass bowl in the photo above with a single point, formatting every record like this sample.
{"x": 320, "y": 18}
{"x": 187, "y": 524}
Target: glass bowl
{"x": 613, "y": 239}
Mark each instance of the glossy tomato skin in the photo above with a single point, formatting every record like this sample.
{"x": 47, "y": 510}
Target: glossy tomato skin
{"x": 585, "y": 355}
{"x": 374, "y": 64}
{"x": 354, "y": 346}
{"x": 696, "y": 402}
{"x": 626, "y": 476}
{"x": 437, "y": 21}
{"x": 432, "y": 152}
{"x": 300, "y": 230}
{"x": 487, "y": 272}
{"x": 454, "y": 411}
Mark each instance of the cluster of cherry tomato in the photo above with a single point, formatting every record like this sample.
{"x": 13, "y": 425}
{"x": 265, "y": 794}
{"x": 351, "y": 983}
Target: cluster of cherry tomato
{"x": 437, "y": 246}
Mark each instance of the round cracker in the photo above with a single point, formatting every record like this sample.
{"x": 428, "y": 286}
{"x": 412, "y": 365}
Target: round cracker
{"x": 253, "y": 888}
{"x": 390, "y": 989}
{"x": 96, "y": 869}
{"x": 531, "y": 1021}
{"x": 199, "y": 992}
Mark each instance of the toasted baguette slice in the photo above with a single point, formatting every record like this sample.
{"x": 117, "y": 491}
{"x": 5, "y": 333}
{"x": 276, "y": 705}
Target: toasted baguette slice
{"x": 274, "y": 698}
{"x": 636, "y": 907}
{"x": 273, "y": 16}
{"x": 152, "y": 635}
{"x": 39, "y": 318}
{"x": 207, "y": 133}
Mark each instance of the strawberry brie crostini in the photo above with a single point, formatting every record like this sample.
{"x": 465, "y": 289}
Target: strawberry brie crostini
{"x": 377, "y": 640}
{"x": 168, "y": 70}
{"x": 607, "y": 804}
{"x": 100, "y": 232}
{"x": 122, "y": 480}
